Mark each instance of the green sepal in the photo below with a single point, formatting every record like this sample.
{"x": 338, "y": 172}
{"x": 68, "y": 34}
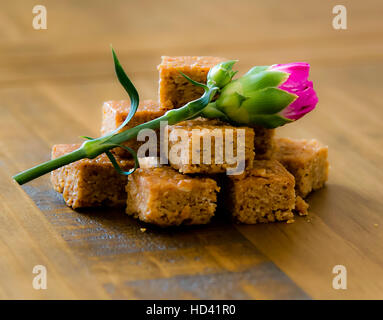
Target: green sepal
{"x": 211, "y": 112}
{"x": 231, "y": 96}
{"x": 269, "y": 121}
{"x": 262, "y": 80}
{"x": 256, "y": 70}
{"x": 233, "y": 73}
{"x": 268, "y": 101}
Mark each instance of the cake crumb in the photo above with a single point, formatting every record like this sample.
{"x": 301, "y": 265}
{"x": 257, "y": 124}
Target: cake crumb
{"x": 142, "y": 229}
{"x": 376, "y": 225}
{"x": 290, "y": 221}
{"x": 301, "y": 206}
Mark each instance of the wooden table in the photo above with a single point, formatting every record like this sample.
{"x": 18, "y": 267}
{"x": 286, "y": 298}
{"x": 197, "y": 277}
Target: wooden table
{"x": 52, "y": 85}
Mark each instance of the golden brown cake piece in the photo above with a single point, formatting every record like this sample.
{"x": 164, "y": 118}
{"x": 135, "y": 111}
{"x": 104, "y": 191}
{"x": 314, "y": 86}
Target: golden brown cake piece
{"x": 262, "y": 194}
{"x": 306, "y": 160}
{"x": 210, "y": 146}
{"x": 263, "y": 142}
{"x": 90, "y": 182}
{"x": 164, "y": 197}
{"x": 115, "y": 112}
{"x": 174, "y": 90}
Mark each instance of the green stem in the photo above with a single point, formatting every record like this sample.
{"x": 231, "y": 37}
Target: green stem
{"x": 43, "y": 168}
{"x": 93, "y": 148}
{"x": 188, "y": 111}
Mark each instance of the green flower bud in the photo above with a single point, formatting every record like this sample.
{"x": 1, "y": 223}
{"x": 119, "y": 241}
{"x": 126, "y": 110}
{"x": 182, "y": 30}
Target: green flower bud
{"x": 221, "y": 74}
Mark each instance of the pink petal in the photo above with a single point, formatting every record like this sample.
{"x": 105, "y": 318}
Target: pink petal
{"x": 299, "y": 73}
{"x": 306, "y": 101}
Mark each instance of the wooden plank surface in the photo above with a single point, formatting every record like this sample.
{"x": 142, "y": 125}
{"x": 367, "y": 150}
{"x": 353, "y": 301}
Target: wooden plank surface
{"x": 52, "y": 85}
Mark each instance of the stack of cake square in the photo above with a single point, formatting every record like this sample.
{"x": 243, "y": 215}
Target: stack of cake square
{"x": 278, "y": 173}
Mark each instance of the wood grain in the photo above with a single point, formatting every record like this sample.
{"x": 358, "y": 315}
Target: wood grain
{"x": 52, "y": 85}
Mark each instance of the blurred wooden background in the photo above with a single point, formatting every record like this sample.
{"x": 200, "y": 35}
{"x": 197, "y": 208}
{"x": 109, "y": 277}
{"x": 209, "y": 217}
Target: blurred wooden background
{"x": 52, "y": 85}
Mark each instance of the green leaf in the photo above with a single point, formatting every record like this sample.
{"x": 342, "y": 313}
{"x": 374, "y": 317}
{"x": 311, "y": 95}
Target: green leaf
{"x": 198, "y": 84}
{"x": 133, "y": 153}
{"x": 130, "y": 89}
{"x": 268, "y": 101}
{"x": 117, "y": 166}
{"x": 86, "y": 138}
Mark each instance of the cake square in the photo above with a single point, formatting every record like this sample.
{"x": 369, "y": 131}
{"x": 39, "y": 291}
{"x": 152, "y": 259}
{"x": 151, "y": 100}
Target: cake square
{"x": 262, "y": 194}
{"x": 174, "y": 90}
{"x": 90, "y": 182}
{"x": 306, "y": 160}
{"x": 164, "y": 197}
{"x": 210, "y": 146}
{"x": 115, "y": 112}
